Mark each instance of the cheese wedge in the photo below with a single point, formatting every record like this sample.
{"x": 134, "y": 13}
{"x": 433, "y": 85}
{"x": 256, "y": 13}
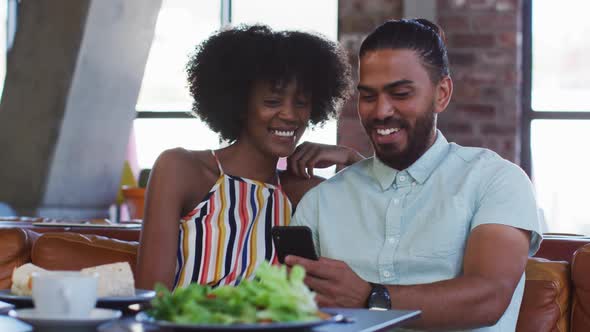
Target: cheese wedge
{"x": 113, "y": 279}
{"x": 22, "y": 284}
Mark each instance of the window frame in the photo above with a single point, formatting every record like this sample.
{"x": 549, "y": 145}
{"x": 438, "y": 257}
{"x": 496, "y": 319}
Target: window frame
{"x": 143, "y": 114}
{"x": 528, "y": 113}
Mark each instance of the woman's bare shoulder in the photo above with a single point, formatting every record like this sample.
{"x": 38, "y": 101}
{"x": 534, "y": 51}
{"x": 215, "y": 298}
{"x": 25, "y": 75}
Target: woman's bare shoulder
{"x": 180, "y": 165}
{"x": 185, "y": 175}
{"x": 180, "y": 159}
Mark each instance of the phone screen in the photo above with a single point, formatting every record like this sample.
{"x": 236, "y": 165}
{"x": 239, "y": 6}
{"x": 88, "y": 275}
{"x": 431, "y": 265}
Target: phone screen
{"x": 293, "y": 240}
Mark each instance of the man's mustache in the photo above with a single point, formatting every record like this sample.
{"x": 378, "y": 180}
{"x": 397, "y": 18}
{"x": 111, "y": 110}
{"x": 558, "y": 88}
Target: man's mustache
{"x": 389, "y": 122}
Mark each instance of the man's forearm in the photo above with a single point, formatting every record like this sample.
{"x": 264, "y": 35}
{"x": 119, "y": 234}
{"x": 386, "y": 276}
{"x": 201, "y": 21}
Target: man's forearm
{"x": 463, "y": 302}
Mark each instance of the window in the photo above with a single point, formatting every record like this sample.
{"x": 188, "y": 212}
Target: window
{"x": 164, "y": 101}
{"x": 181, "y": 25}
{"x": 306, "y": 15}
{"x": 3, "y": 42}
{"x": 556, "y": 110}
{"x": 7, "y": 29}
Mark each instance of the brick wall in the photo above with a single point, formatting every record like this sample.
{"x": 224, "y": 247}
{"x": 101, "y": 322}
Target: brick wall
{"x": 357, "y": 18}
{"x": 483, "y": 39}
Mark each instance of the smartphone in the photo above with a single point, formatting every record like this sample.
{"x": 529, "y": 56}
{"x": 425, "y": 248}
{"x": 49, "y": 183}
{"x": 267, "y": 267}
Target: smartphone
{"x": 293, "y": 240}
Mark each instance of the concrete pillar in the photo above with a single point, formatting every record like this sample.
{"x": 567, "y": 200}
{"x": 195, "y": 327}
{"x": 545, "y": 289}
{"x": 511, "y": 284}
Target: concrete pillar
{"x": 73, "y": 77}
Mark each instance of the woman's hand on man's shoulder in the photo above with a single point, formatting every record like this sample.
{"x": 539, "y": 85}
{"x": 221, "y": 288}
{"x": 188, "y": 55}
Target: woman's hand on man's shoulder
{"x": 309, "y": 155}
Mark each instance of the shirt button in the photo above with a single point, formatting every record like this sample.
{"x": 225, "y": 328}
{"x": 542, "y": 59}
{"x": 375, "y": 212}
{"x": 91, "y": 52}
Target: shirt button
{"x": 402, "y": 178}
{"x": 386, "y": 274}
{"x": 391, "y": 240}
{"x": 396, "y": 201}
{"x": 413, "y": 184}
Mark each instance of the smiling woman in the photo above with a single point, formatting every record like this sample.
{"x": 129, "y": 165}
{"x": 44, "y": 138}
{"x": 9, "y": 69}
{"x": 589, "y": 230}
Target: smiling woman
{"x": 164, "y": 100}
{"x": 209, "y": 213}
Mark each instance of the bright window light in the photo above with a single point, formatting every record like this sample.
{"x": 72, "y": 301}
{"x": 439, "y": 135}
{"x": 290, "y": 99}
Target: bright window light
{"x": 181, "y": 26}
{"x": 561, "y": 74}
{"x": 560, "y": 173}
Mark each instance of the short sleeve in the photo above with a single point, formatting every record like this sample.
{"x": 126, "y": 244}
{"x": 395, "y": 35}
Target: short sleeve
{"x": 508, "y": 198}
{"x": 306, "y": 214}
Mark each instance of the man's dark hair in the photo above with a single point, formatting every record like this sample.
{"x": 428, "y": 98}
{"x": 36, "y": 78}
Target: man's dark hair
{"x": 420, "y": 35}
{"x": 223, "y": 69}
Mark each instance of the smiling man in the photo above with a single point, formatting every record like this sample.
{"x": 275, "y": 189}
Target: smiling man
{"x": 424, "y": 223}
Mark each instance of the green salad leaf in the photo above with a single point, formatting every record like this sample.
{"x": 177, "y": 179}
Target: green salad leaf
{"x": 273, "y": 296}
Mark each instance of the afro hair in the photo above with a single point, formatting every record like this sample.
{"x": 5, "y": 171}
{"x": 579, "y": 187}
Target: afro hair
{"x": 224, "y": 68}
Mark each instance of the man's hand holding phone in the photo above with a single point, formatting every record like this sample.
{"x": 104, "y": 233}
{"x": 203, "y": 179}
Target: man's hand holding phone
{"x": 335, "y": 283}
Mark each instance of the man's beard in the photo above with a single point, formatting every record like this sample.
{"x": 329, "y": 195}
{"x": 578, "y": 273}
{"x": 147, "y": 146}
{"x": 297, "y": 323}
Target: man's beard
{"x": 418, "y": 141}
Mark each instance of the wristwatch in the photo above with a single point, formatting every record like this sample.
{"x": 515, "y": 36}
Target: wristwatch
{"x": 379, "y": 298}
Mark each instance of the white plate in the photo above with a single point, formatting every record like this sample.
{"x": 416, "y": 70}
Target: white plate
{"x": 141, "y": 296}
{"x": 290, "y": 326}
{"x": 119, "y": 302}
{"x": 96, "y": 317}
{"x": 5, "y": 307}
{"x": 81, "y": 225}
{"x": 14, "y": 325}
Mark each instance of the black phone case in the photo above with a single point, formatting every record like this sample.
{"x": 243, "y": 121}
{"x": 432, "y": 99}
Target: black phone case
{"x": 293, "y": 240}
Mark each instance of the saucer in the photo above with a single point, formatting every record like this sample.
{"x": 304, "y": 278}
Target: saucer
{"x": 110, "y": 302}
{"x": 5, "y": 307}
{"x": 97, "y": 316}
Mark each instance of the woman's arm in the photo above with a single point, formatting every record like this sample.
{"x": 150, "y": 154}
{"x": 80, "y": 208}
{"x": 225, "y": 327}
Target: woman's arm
{"x": 165, "y": 196}
{"x": 309, "y": 155}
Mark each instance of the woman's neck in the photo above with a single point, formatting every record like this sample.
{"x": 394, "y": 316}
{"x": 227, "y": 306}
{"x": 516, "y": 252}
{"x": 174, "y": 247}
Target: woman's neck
{"x": 244, "y": 160}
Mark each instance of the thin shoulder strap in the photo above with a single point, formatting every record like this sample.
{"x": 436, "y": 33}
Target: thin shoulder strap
{"x": 218, "y": 163}
{"x": 279, "y": 180}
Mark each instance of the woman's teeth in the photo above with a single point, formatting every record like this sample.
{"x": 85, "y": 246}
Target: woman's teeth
{"x": 283, "y": 133}
{"x": 389, "y": 131}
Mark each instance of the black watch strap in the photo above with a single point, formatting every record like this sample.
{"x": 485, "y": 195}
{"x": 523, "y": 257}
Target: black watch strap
{"x": 379, "y": 298}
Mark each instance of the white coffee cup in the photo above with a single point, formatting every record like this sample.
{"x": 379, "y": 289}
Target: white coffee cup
{"x": 66, "y": 294}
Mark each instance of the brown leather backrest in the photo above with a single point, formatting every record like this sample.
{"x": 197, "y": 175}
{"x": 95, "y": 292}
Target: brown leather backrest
{"x": 580, "y": 319}
{"x": 545, "y": 303}
{"x": 560, "y": 249}
{"x": 15, "y": 250}
{"x": 73, "y": 251}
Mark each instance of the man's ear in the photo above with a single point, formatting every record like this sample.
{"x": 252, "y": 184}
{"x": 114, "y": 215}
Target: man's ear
{"x": 443, "y": 93}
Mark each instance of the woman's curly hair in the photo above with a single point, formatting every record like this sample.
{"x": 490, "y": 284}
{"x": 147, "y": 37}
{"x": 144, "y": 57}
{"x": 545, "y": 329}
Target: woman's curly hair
{"x": 224, "y": 68}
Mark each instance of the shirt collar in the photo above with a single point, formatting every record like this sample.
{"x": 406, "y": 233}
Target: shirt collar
{"x": 420, "y": 170}
{"x": 384, "y": 174}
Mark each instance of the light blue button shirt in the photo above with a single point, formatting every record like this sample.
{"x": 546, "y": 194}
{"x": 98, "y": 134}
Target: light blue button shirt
{"x": 410, "y": 227}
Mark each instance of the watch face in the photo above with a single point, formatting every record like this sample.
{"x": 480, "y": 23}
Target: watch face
{"x": 379, "y": 298}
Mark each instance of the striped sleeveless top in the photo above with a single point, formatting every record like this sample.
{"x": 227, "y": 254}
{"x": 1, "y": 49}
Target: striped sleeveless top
{"x": 227, "y": 235}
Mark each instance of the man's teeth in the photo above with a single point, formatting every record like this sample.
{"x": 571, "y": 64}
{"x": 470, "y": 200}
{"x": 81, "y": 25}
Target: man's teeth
{"x": 387, "y": 131}
{"x": 283, "y": 133}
